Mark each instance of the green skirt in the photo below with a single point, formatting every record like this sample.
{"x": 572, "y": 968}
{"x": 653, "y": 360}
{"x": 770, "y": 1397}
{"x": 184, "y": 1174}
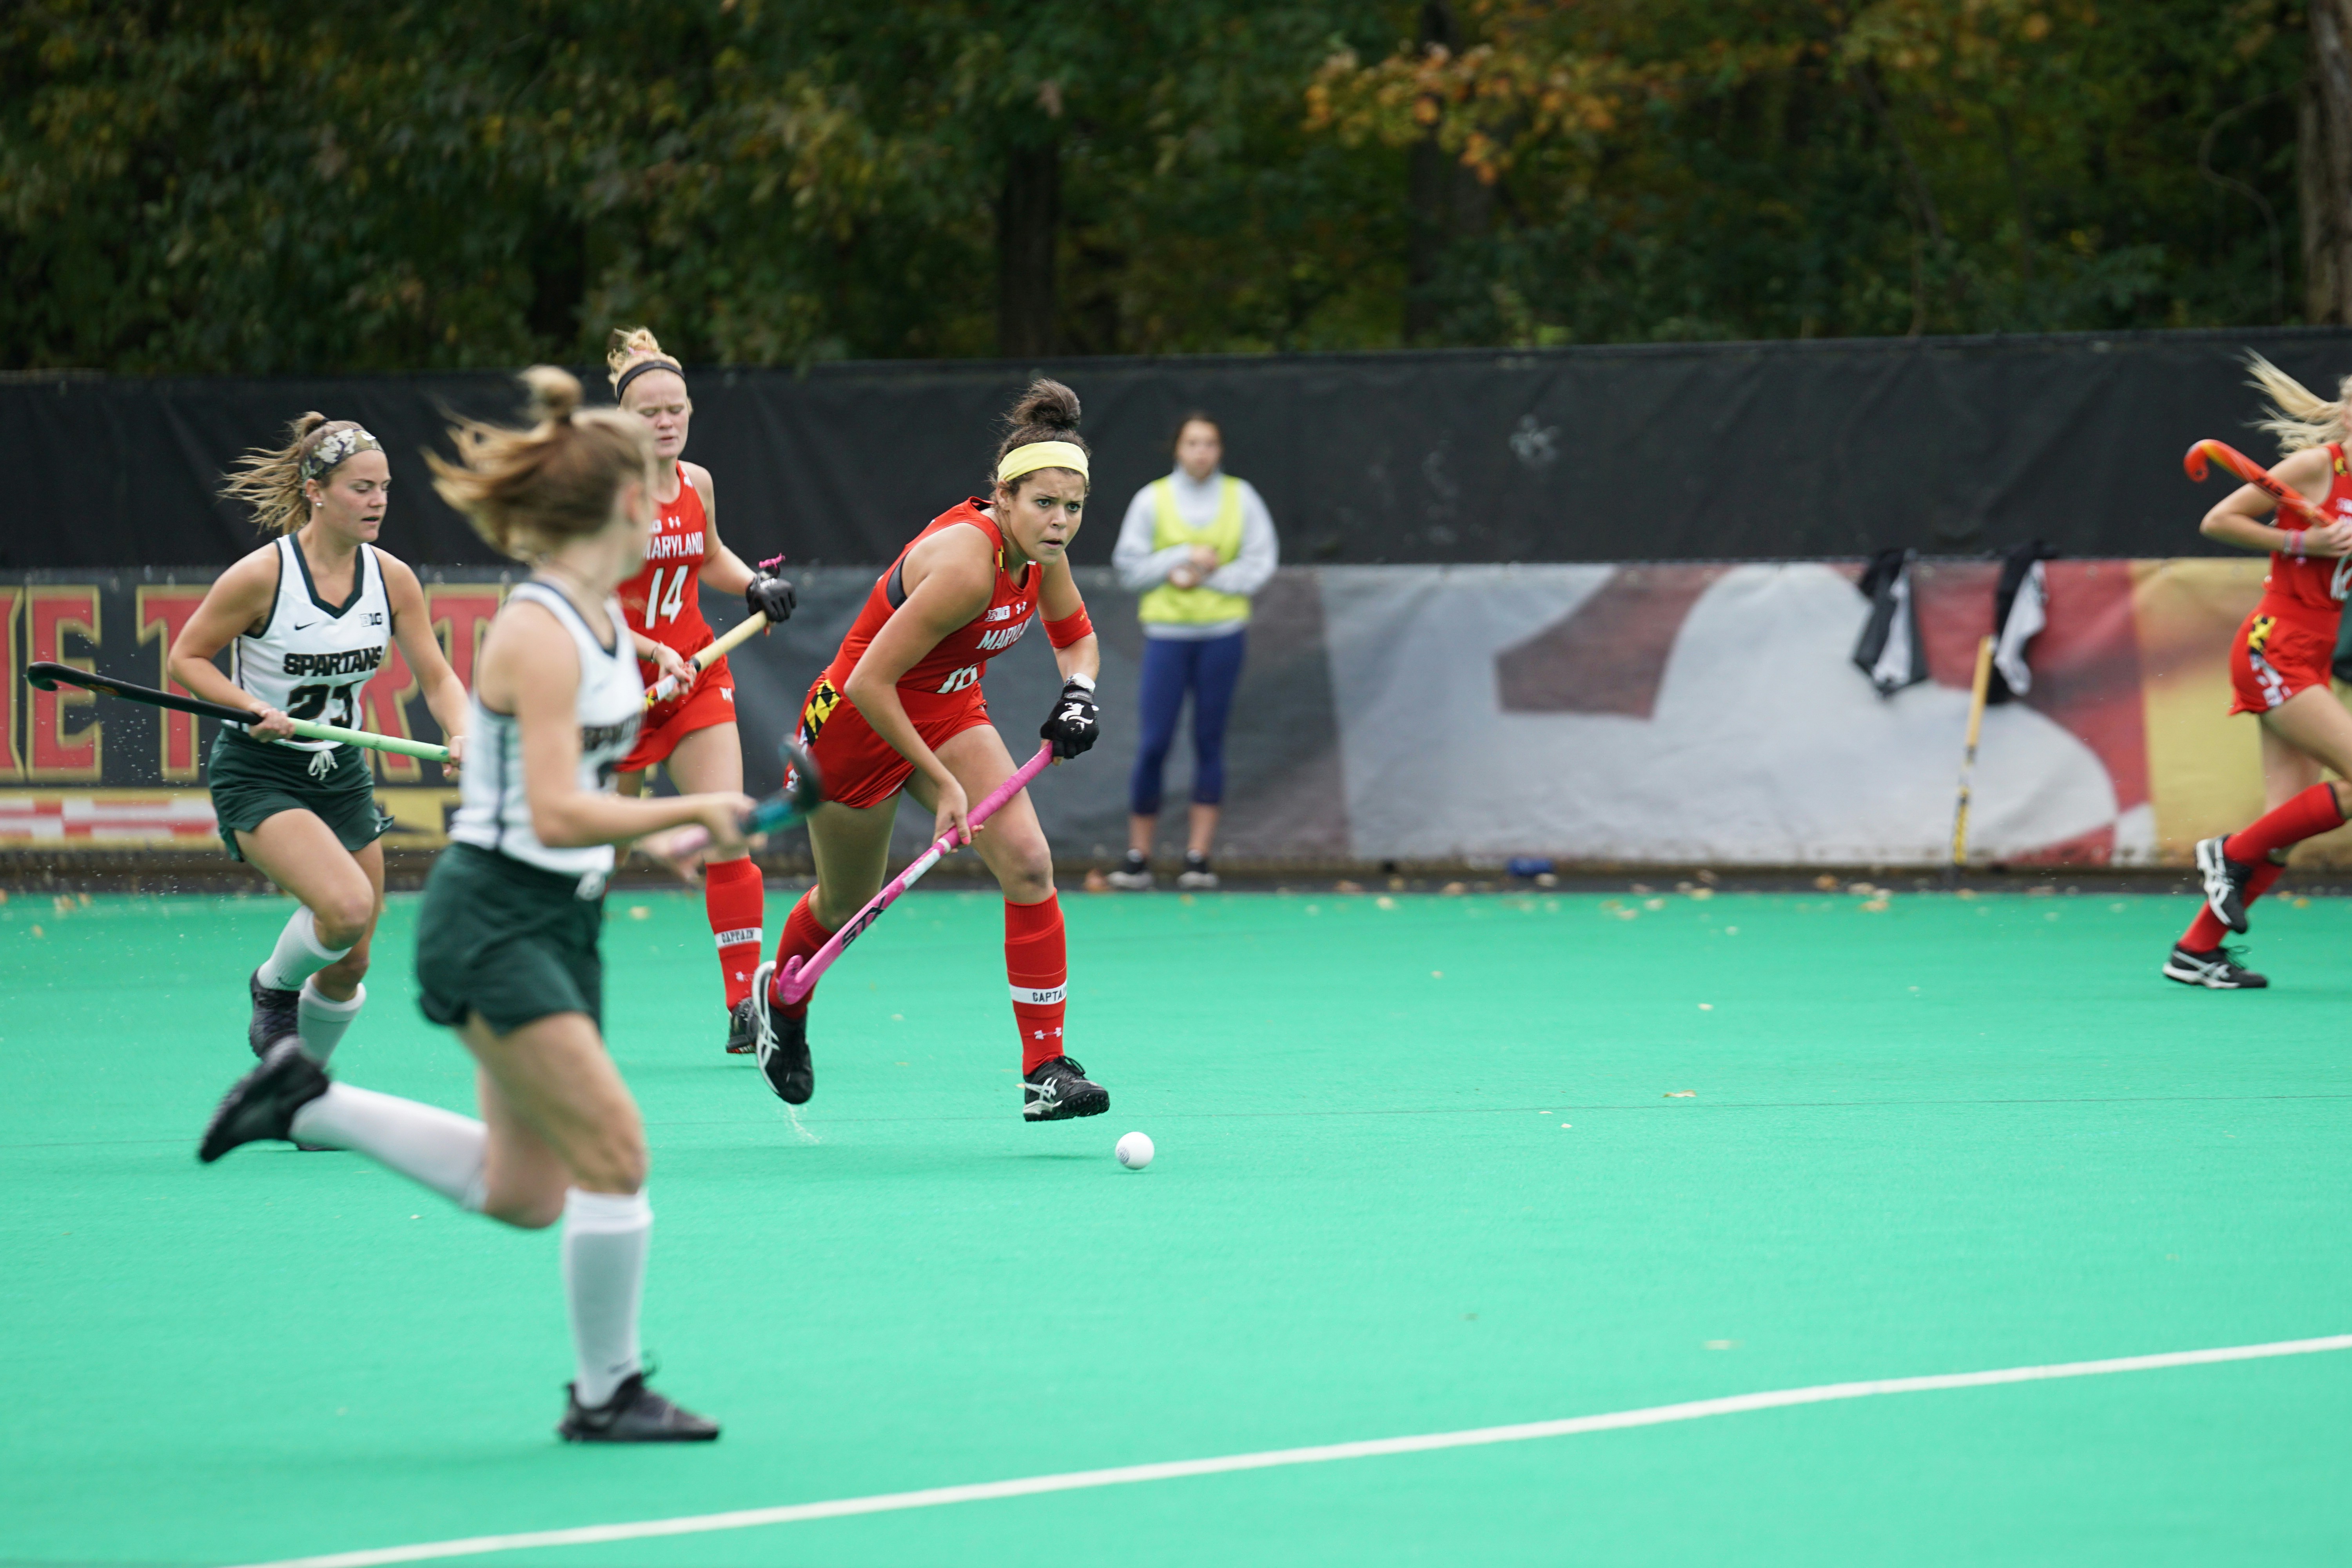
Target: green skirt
{"x": 508, "y": 941}
{"x": 253, "y": 781}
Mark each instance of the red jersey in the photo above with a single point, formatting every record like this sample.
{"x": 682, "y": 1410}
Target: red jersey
{"x": 2310, "y": 590}
{"x": 948, "y": 676}
{"x": 661, "y": 600}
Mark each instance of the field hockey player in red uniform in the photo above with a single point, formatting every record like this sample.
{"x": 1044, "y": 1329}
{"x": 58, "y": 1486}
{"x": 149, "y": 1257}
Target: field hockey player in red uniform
{"x": 693, "y": 733}
{"x": 2279, "y": 670}
{"x": 901, "y": 708}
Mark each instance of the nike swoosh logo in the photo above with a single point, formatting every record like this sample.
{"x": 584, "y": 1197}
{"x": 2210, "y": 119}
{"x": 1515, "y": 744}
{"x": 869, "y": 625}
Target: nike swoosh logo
{"x": 306, "y": 625}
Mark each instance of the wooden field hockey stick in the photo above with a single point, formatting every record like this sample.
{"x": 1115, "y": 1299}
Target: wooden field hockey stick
{"x": 1978, "y": 691}
{"x": 797, "y": 979}
{"x": 736, "y": 636}
{"x": 46, "y": 675}
{"x": 2254, "y": 474}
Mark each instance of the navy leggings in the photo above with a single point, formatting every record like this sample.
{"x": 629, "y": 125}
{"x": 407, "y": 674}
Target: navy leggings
{"x": 1209, "y": 668}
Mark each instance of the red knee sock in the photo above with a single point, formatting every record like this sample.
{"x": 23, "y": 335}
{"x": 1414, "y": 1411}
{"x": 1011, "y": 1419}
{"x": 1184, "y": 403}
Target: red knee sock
{"x": 736, "y": 896}
{"x": 1037, "y": 962}
{"x": 2307, "y": 814}
{"x": 2206, "y": 931}
{"x": 803, "y": 936}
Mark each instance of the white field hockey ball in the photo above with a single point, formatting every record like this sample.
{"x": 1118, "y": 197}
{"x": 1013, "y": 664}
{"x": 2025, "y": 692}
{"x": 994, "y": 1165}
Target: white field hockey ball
{"x": 1134, "y": 1151}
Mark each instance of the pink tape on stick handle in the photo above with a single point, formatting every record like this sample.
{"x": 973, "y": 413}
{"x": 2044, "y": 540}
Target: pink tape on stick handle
{"x": 797, "y": 979}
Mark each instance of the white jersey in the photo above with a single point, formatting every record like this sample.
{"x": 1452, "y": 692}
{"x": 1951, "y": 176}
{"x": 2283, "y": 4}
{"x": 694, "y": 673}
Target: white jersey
{"x": 312, "y": 658}
{"x": 493, "y": 811}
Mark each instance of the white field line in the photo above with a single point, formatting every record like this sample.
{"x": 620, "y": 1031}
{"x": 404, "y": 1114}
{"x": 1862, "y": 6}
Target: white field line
{"x": 1376, "y": 1447}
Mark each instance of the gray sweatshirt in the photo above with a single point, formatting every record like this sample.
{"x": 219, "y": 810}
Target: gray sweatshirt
{"x": 1142, "y": 568}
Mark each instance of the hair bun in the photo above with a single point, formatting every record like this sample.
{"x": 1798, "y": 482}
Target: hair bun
{"x": 554, "y": 392}
{"x": 1047, "y": 405}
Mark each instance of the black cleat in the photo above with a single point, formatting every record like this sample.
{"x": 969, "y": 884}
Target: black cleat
{"x": 742, "y": 1033}
{"x": 634, "y": 1413}
{"x": 781, "y": 1042}
{"x": 276, "y": 1015}
{"x": 1058, "y": 1091}
{"x": 263, "y": 1102}
{"x": 2225, "y": 883}
{"x": 2216, "y": 971}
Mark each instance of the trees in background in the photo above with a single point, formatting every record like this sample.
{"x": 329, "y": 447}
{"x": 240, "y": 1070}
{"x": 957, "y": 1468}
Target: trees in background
{"x": 267, "y": 186}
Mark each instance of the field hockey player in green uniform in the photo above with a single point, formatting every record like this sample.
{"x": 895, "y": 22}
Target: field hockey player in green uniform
{"x": 307, "y": 617}
{"x": 505, "y": 941}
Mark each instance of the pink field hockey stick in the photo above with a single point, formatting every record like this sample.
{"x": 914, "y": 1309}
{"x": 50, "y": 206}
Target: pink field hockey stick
{"x": 797, "y": 979}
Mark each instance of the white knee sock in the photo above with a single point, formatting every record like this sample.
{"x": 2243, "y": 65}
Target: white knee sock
{"x": 297, "y": 956}
{"x": 604, "y": 1240}
{"x": 423, "y": 1142}
{"x": 322, "y": 1022}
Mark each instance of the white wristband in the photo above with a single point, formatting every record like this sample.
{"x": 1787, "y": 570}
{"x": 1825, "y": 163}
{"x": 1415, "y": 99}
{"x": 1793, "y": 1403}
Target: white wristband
{"x": 1085, "y": 680}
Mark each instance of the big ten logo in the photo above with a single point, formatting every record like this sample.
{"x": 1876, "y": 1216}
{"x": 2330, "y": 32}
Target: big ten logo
{"x": 969, "y": 676}
{"x": 162, "y": 611}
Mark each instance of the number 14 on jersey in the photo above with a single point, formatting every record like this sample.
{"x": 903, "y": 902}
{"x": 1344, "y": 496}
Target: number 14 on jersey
{"x": 664, "y": 607}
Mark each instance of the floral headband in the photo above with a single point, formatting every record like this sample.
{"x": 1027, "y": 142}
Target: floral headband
{"x": 338, "y": 449}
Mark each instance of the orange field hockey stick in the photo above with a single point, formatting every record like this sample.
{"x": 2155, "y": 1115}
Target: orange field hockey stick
{"x": 2254, "y": 474}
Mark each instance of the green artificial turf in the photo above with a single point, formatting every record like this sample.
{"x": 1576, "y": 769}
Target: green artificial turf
{"x": 1938, "y": 1136}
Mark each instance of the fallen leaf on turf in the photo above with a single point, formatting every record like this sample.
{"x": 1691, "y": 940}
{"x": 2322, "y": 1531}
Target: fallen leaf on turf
{"x": 1682, "y": 1094}
{"x": 1348, "y": 887}
{"x": 1437, "y": 975}
{"x": 1453, "y": 889}
{"x": 1826, "y": 883}
{"x": 1384, "y": 903}
{"x": 1706, "y": 1006}
{"x": 1722, "y": 1344}
{"x": 1701, "y": 892}
{"x": 639, "y": 912}
{"x": 1876, "y": 906}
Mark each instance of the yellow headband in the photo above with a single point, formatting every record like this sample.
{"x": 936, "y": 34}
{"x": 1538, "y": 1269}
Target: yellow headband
{"x": 1042, "y": 455}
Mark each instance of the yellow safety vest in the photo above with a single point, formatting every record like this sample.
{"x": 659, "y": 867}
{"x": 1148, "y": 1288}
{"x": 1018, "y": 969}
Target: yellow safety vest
{"x": 1170, "y": 606}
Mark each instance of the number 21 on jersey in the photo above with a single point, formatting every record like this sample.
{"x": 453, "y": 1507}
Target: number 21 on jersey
{"x": 660, "y": 607}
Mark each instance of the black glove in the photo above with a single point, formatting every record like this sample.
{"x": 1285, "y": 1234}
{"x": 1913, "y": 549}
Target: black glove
{"x": 770, "y": 596}
{"x": 1075, "y": 722}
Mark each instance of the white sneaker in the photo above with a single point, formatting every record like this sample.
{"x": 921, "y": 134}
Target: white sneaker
{"x": 1197, "y": 882}
{"x": 1130, "y": 881}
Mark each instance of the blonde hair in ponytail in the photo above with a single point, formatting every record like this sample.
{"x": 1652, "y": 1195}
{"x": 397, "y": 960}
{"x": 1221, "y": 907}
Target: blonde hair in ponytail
{"x": 634, "y": 351}
{"x": 2297, "y": 415}
{"x": 270, "y": 481}
{"x": 526, "y": 492}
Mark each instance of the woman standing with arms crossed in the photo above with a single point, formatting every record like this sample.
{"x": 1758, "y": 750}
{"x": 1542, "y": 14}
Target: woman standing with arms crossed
{"x": 309, "y": 615}
{"x": 1197, "y": 545}
{"x": 505, "y": 941}
{"x": 693, "y": 732}
{"x": 2278, "y": 671}
{"x": 901, "y": 708}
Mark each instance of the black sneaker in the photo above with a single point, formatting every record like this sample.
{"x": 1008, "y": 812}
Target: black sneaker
{"x": 263, "y": 1102}
{"x": 2225, "y": 883}
{"x": 1058, "y": 1091}
{"x": 2215, "y": 971}
{"x": 742, "y": 1034}
{"x": 276, "y": 1015}
{"x": 781, "y": 1042}
{"x": 634, "y": 1413}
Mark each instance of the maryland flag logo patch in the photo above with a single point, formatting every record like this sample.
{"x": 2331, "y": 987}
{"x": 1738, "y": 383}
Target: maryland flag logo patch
{"x": 821, "y": 701}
